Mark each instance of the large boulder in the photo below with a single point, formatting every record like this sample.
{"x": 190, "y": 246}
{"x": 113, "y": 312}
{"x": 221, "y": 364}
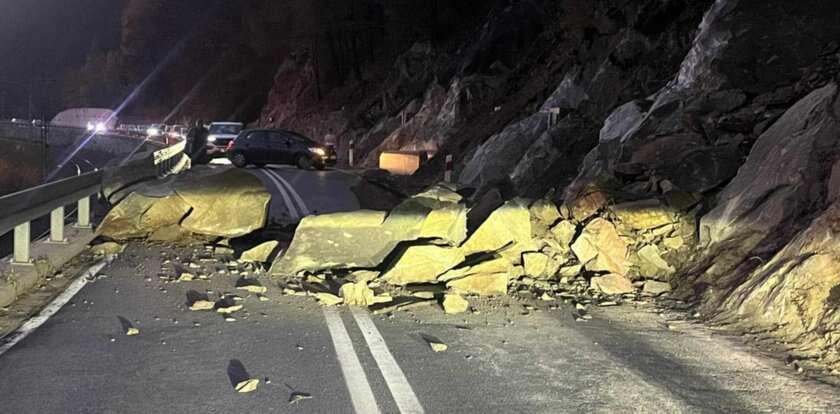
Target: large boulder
{"x": 260, "y": 253}
{"x": 508, "y": 227}
{"x": 339, "y": 240}
{"x": 600, "y": 249}
{"x": 229, "y": 204}
{"x": 482, "y": 284}
{"x": 138, "y": 216}
{"x": 611, "y": 284}
{"x": 651, "y": 263}
{"x": 448, "y": 223}
{"x": 540, "y": 265}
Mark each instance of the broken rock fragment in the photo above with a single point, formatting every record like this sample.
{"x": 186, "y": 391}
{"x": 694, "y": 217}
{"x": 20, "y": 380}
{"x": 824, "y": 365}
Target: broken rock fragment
{"x": 436, "y": 344}
{"x": 328, "y": 299}
{"x": 249, "y": 385}
{"x": 652, "y": 264}
{"x": 419, "y": 264}
{"x": 564, "y": 232}
{"x": 510, "y": 224}
{"x": 655, "y": 288}
{"x": 260, "y": 253}
{"x": 357, "y": 294}
{"x": 201, "y": 305}
{"x": 612, "y": 284}
{"x": 226, "y": 310}
{"x": 543, "y": 215}
{"x": 448, "y": 224}
{"x": 253, "y": 288}
{"x": 599, "y": 248}
{"x": 539, "y": 265}
{"x": 299, "y": 396}
{"x": 107, "y": 248}
{"x": 454, "y": 304}
{"x": 483, "y": 284}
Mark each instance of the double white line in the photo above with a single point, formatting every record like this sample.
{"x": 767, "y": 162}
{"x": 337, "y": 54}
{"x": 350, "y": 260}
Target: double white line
{"x": 361, "y": 394}
{"x": 294, "y": 203}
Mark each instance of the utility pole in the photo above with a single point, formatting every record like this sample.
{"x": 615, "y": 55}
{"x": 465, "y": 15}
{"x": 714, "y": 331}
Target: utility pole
{"x": 3, "y": 104}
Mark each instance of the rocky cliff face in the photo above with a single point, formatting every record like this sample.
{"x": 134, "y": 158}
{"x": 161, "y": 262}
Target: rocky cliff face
{"x": 720, "y": 115}
{"x": 743, "y": 137}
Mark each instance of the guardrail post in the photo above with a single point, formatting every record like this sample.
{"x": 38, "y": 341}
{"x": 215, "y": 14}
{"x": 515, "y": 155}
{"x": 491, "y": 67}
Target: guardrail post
{"x": 351, "y": 151}
{"x": 447, "y": 172}
{"x": 57, "y": 225}
{"x": 21, "y": 249}
{"x": 83, "y": 211}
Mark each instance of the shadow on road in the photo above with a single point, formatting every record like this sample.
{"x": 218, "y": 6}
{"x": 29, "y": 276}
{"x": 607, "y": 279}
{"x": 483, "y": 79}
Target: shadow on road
{"x": 659, "y": 368}
{"x": 125, "y": 323}
{"x": 194, "y": 296}
{"x": 237, "y": 372}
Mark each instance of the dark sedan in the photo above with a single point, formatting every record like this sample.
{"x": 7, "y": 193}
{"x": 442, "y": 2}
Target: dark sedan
{"x": 277, "y": 146}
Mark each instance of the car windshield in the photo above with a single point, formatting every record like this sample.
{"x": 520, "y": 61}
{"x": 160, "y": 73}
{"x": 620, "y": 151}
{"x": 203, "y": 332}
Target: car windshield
{"x": 225, "y": 129}
{"x": 301, "y": 138}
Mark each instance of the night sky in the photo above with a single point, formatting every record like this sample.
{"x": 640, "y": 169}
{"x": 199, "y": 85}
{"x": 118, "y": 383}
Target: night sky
{"x": 45, "y": 38}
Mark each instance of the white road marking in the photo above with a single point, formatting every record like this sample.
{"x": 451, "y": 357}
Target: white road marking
{"x": 7, "y": 342}
{"x": 354, "y": 375}
{"x": 303, "y": 208}
{"x": 293, "y": 212}
{"x": 395, "y": 378}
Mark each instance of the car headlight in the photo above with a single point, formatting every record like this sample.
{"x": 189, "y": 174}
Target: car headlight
{"x": 152, "y": 132}
{"x": 318, "y": 151}
{"x": 211, "y": 138}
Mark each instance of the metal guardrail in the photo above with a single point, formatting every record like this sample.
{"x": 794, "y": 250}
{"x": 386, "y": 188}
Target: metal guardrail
{"x": 19, "y": 209}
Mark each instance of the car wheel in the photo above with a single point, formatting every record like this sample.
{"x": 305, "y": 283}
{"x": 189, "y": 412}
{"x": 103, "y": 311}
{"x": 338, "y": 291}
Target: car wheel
{"x": 304, "y": 162}
{"x": 238, "y": 160}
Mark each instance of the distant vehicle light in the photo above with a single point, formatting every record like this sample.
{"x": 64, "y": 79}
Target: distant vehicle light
{"x": 98, "y": 127}
{"x": 153, "y": 132}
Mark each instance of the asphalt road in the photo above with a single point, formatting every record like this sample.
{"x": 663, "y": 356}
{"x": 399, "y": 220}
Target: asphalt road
{"x": 512, "y": 355}
{"x": 296, "y": 193}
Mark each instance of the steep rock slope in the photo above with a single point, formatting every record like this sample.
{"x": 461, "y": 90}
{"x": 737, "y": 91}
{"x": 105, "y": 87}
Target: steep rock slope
{"x": 512, "y": 67}
{"x": 744, "y": 135}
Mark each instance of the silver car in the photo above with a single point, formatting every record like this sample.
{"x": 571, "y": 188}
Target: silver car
{"x": 220, "y": 134}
